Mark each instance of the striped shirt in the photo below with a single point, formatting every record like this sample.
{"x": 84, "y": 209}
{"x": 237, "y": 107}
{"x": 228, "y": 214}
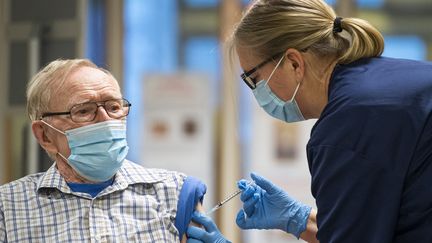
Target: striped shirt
{"x": 140, "y": 206}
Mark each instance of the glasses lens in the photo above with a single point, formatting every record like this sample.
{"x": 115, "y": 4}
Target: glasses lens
{"x": 83, "y": 112}
{"x": 117, "y": 108}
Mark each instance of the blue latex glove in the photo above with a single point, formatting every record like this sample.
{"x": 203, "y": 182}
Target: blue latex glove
{"x": 266, "y": 206}
{"x": 209, "y": 235}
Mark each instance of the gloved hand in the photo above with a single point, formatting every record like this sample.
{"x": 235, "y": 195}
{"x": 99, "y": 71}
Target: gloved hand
{"x": 209, "y": 235}
{"x": 266, "y": 206}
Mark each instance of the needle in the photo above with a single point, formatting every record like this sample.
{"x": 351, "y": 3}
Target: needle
{"x": 221, "y": 203}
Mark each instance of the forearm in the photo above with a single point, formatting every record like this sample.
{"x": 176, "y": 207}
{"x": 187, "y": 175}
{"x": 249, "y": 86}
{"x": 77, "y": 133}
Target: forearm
{"x": 309, "y": 235}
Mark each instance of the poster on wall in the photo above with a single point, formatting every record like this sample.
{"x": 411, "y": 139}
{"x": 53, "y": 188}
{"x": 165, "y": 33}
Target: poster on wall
{"x": 178, "y": 124}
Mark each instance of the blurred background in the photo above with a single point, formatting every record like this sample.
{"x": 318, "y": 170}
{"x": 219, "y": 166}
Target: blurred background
{"x": 188, "y": 114}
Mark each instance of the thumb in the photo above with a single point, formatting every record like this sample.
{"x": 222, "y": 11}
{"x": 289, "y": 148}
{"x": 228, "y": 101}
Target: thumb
{"x": 196, "y": 233}
{"x": 205, "y": 221}
{"x": 265, "y": 184}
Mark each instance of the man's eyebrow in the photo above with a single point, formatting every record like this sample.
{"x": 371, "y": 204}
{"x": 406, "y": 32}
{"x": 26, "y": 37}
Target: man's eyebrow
{"x": 81, "y": 101}
{"x": 76, "y": 102}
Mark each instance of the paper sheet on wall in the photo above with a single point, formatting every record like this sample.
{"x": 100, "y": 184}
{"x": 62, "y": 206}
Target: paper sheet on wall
{"x": 178, "y": 125}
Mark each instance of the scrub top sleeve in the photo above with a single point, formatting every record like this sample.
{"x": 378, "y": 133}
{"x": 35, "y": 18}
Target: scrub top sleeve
{"x": 191, "y": 193}
{"x": 357, "y": 199}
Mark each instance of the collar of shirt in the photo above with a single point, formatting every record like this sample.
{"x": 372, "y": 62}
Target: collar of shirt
{"x": 129, "y": 174}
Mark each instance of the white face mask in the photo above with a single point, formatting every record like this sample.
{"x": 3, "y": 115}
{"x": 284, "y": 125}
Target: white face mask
{"x": 97, "y": 150}
{"x": 286, "y": 111}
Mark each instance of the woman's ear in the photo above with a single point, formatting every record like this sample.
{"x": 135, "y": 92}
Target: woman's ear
{"x": 295, "y": 59}
{"x": 40, "y": 134}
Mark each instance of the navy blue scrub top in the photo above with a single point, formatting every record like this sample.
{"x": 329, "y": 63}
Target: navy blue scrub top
{"x": 370, "y": 153}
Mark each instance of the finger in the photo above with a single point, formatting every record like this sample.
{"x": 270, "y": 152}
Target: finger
{"x": 205, "y": 221}
{"x": 249, "y": 205}
{"x": 264, "y": 183}
{"x": 247, "y": 193}
{"x": 196, "y": 233}
{"x": 241, "y": 184}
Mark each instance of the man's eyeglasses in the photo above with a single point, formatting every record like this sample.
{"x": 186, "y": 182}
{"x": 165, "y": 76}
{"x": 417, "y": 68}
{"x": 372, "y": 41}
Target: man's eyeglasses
{"x": 86, "y": 112}
{"x": 246, "y": 76}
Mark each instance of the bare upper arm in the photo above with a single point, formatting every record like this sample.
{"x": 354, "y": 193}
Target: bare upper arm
{"x": 199, "y": 208}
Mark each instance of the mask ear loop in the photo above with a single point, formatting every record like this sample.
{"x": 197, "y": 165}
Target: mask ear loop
{"x": 274, "y": 70}
{"x": 63, "y": 157}
{"x": 295, "y": 92}
{"x": 46, "y": 123}
{"x": 55, "y": 129}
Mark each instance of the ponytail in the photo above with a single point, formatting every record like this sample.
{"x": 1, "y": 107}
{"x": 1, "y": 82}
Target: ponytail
{"x": 365, "y": 40}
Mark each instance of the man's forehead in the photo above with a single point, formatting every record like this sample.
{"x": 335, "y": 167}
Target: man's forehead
{"x": 84, "y": 85}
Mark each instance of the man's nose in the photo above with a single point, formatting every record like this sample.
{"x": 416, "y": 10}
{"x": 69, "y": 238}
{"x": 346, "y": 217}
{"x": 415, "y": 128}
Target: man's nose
{"x": 102, "y": 114}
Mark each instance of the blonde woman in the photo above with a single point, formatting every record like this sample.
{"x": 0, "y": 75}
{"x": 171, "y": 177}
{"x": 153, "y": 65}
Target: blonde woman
{"x": 370, "y": 151}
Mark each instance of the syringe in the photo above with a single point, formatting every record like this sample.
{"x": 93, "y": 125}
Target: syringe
{"x": 221, "y": 203}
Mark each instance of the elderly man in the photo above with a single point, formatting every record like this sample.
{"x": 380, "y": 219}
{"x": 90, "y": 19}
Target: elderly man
{"x": 91, "y": 193}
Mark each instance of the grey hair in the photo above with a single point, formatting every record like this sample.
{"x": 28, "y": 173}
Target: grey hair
{"x": 269, "y": 27}
{"x": 48, "y": 81}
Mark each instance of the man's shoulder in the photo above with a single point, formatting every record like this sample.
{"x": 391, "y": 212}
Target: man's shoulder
{"x": 24, "y": 184}
{"x": 129, "y": 165}
{"x": 150, "y": 175}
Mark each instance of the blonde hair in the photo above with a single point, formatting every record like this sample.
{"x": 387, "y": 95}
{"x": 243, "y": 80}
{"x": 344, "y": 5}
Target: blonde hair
{"x": 50, "y": 80}
{"x": 272, "y": 26}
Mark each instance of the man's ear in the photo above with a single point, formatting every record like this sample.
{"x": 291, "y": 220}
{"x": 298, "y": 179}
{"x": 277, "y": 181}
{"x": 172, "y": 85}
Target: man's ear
{"x": 295, "y": 59}
{"x": 39, "y": 131}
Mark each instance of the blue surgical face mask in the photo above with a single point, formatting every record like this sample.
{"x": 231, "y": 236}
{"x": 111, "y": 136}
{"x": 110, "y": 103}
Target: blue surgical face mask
{"x": 287, "y": 111}
{"x": 97, "y": 150}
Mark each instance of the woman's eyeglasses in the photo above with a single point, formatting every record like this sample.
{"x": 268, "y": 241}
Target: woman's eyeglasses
{"x": 246, "y": 76}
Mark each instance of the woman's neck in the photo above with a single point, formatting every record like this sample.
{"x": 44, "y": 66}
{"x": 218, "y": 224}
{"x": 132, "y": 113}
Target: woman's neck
{"x": 317, "y": 80}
